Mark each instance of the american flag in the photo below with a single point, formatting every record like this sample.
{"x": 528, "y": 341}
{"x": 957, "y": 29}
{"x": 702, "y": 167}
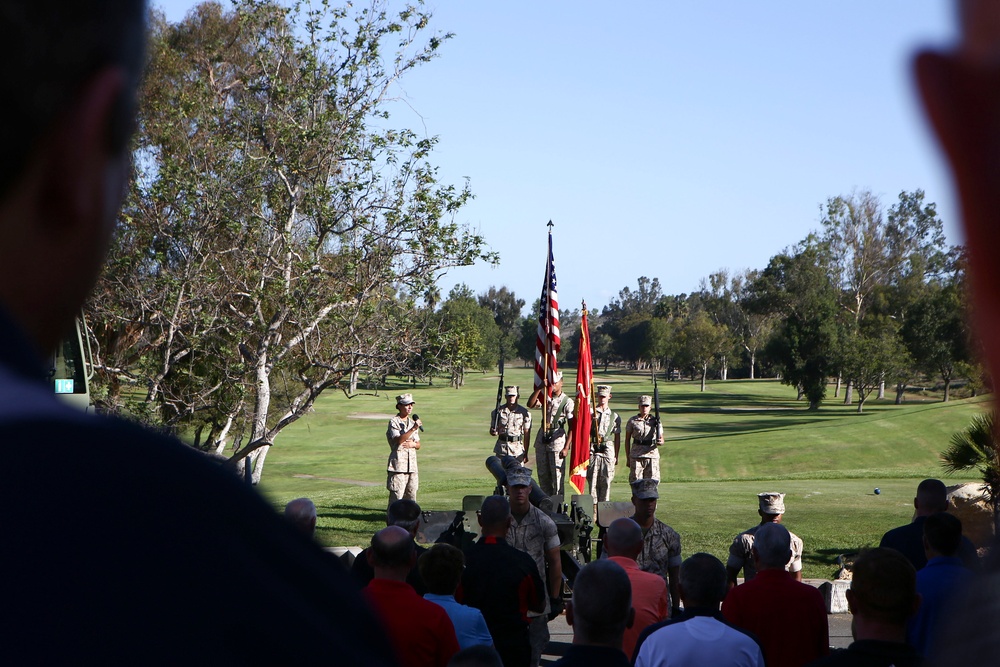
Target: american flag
{"x": 547, "y": 343}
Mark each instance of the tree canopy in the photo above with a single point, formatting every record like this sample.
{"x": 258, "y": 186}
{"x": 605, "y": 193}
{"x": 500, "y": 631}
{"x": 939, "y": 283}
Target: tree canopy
{"x": 279, "y": 229}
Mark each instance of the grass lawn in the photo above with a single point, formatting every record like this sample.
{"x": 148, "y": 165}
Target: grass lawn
{"x": 723, "y": 446}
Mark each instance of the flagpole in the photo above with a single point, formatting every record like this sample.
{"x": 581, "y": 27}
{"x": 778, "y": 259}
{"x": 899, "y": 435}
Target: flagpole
{"x": 593, "y": 396}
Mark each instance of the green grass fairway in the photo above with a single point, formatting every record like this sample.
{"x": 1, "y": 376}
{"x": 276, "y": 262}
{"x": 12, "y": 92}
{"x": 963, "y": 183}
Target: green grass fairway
{"x": 722, "y": 447}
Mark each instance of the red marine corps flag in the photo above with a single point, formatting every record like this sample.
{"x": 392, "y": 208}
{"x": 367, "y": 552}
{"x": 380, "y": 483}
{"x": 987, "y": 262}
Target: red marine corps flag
{"x": 579, "y": 457}
{"x": 547, "y": 344}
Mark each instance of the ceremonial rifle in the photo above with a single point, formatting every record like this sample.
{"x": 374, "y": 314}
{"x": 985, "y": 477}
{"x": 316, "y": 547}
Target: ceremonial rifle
{"x": 656, "y": 410}
{"x": 496, "y": 413}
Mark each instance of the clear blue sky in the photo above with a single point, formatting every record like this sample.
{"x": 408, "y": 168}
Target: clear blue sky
{"x": 668, "y": 138}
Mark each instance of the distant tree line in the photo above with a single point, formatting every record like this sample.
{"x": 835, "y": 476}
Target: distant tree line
{"x": 875, "y": 299}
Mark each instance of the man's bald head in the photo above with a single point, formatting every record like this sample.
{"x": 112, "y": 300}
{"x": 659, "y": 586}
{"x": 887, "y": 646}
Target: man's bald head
{"x": 602, "y": 604}
{"x": 624, "y": 538}
{"x": 393, "y": 547}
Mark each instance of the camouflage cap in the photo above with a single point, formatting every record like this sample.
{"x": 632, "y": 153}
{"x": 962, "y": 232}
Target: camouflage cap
{"x": 557, "y": 377}
{"x": 603, "y": 390}
{"x": 511, "y": 390}
{"x": 645, "y": 489}
{"x": 404, "y": 399}
{"x": 519, "y": 476}
{"x": 645, "y": 400}
{"x": 772, "y": 502}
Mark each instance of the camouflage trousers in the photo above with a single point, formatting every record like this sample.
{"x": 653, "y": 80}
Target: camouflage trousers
{"x": 550, "y": 468}
{"x": 600, "y": 472}
{"x": 515, "y": 449}
{"x": 538, "y": 635}
{"x": 644, "y": 469}
{"x": 402, "y": 485}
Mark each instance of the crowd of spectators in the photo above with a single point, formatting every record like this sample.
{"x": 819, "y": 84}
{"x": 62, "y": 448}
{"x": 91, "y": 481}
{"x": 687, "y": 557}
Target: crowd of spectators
{"x": 622, "y": 610}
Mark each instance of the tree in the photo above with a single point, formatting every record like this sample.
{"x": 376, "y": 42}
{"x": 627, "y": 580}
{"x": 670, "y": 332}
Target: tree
{"x": 506, "y": 309}
{"x": 278, "y": 231}
{"x": 796, "y": 286}
{"x": 871, "y": 355}
{"x": 468, "y": 336}
{"x": 936, "y": 332}
{"x": 701, "y": 341}
{"x": 975, "y": 448}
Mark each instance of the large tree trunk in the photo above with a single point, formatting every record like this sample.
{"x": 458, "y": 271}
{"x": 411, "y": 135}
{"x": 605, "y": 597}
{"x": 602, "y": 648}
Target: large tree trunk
{"x": 353, "y": 386}
{"x": 848, "y": 393}
{"x": 881, "y": 388}
{"x": 947, "y": 389}
{"x": 257, "y": 459}
{"x": 753, "y": 361}
{"x": 836, "y": 390}
{"x": 704, "y": 373}
{"x": 725, "y": 369}
{"x": 900, "y": 391}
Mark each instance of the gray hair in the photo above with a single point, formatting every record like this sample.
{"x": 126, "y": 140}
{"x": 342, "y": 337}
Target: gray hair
{"x": 773, "y": 544}
{"x": 404, "y": 513}
{"x": 301, "y": 512}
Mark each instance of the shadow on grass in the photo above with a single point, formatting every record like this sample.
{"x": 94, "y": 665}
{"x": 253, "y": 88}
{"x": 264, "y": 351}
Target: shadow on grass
{"x": 827, "y": 557}
{"x": 352, "y": 513}
{"x": 712, "y": 429}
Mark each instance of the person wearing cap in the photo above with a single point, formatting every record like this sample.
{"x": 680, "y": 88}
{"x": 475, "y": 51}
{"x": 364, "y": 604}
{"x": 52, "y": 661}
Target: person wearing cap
{"x": 511, "y": 424}
{"x": 534, "y": 532}
{"x": 643, "y": 436}
{"x": 607, "y": 426}
{"x": 554, "y": 438}
{"x": 403, "y": 435}
{"x": 661, "y": 545}
{"x": 772, "y": 509}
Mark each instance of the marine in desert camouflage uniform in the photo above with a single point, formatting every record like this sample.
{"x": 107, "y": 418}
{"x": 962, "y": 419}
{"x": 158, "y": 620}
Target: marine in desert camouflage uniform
{"x": 772, "y": 509}
{"x": 604, "y": 450}
{"x": 642, "y": 442}
{"x": 661, "y": 545}
{"x": 403, "y": 435}
{"x": 535, "y": 533}
{"x": 511, "y": 423}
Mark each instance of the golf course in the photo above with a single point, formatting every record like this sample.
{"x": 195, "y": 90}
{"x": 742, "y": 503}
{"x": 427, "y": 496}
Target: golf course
{"x": 723, "y": 446}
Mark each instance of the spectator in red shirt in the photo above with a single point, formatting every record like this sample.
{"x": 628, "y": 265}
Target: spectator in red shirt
{"x": 623, "y": 544}
{"x": 788, "y": 617}
{"x": 419, "y": 630}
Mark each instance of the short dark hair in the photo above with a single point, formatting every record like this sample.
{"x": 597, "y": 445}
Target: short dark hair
{"x": 884, "y": 586}
{"x": 703, "y": 580}
{"x": 495, "y": 510}
{"x": 932, "y": 495}
{"x": 602, "y": 598}
{"x": 49, "y": 50}
{"x": 943, "y": 532}
{"x": 441, "y": 568}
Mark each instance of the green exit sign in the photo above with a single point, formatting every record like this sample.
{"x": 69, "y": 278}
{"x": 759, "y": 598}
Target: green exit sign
{"x": 64, "y": 386}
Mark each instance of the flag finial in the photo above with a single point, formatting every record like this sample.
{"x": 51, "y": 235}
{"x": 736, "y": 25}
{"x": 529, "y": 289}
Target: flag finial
{"x": 550, "y": 226}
